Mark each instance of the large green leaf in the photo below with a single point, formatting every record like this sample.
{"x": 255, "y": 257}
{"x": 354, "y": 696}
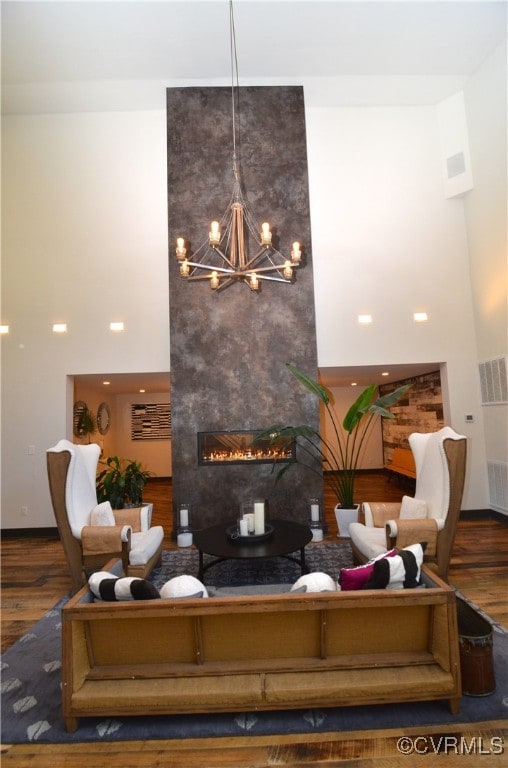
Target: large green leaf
{"x": 313, "y": 386}
{"x": 359, "y": 407}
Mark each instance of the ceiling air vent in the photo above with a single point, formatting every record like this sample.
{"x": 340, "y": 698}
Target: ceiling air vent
{"x": 493, "y": 381}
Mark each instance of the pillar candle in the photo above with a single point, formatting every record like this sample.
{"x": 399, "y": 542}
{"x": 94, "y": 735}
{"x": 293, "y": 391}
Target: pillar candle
{"x": 244, "y": 527}
{"x": 184, "y": 518}
{"x": 314, "y": 512}
{"x": 259, "y": 517}
{"x": 184, "y": 539}
{"x": 250, "y": 521}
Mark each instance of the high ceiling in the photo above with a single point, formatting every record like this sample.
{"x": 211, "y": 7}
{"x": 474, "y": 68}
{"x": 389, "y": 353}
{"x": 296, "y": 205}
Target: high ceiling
{"x": 72, "y": 55}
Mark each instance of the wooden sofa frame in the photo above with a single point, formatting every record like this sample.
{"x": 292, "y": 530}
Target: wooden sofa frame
{"x": 262, "y": 652}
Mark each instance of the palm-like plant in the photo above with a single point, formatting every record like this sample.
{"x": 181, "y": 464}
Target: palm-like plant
{"x": 341, "y": 460}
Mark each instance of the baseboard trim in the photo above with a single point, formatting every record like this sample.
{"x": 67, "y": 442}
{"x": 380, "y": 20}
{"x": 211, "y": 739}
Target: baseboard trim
{"x": 49, "y": 533}
{"x": 478, "y": 514}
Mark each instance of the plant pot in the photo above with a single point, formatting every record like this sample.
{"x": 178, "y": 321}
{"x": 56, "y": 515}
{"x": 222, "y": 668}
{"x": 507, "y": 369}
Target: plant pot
{"x": 344, "y": 517}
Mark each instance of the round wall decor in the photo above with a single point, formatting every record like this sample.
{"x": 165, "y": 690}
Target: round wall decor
{"x": 103, "y": 418}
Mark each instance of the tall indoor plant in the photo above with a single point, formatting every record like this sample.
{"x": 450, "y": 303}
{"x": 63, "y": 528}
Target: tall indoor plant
{"x": 340, "y": 462}
{"x": 122, "y": 482}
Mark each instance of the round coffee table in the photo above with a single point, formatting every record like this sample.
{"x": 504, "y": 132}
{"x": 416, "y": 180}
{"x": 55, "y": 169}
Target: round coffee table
{"x": 287, "y": 537}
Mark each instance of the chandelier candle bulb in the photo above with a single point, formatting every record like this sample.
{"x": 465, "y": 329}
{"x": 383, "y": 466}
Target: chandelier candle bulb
{"x": 214, "y": 280}
{"x": 214, "y": 234}
{"x": 288, "y": 272}
{"x": 296, "y": 253}
{"x": 259, "y": 517}
{"x": 184, "y": 268}
{"x": 181, "y": 250}
{"x": 254, "y": 282}
{"x": 266, "y": 235}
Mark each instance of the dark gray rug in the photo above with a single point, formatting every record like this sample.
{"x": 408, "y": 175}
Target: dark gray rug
{"x": 31, "y": 683}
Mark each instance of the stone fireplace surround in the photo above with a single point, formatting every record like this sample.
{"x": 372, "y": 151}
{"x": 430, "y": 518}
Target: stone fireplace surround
{"x": 228, "y": 350}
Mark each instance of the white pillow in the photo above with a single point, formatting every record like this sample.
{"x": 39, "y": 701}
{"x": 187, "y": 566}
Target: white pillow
{"x": 412, "y": 509}
{"x": 315, "y": 582}
{"x": 102, "y": 514}
{"x": 183, "y": 586}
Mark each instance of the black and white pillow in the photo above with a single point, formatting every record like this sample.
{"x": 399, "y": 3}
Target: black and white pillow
{"x": 105, "y": 586}
{"x": 399, "y": 572}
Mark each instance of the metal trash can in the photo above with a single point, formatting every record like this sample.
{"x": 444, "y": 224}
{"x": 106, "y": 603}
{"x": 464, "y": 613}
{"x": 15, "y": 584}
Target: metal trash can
{"x": 476, "y": 651}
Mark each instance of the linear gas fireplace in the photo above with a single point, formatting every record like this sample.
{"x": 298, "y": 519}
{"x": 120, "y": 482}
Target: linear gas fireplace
{"x": 242, "y": 447}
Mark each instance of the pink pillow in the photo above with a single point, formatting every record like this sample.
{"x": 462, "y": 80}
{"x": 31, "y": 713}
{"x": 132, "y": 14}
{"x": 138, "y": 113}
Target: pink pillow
{"x": 355, "y": 578}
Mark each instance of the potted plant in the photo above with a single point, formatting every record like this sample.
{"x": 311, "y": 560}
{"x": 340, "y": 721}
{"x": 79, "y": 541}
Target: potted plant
{"x": 339, "y": 461}
{"x": 122, "y": 482}
{"x": 86, "y": 424}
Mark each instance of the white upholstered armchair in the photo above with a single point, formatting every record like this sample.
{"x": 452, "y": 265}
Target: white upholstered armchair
{"x": 431, "y": 515}
{"x": 93, "y": 533}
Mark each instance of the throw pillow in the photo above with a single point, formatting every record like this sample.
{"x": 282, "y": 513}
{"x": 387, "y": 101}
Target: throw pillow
{"x": 355, "y": 578}
{"x": 110, "y": 588}
{"x": 102, "y": 514}
{"x": 411, "y": 509}
{"x": 399, "y": 572}
{"x": 183, "y": 586}
{"x": 315, "y": 582}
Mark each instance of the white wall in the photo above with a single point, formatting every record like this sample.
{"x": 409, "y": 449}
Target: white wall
{"x": 371, "y": 455}
{"x": 85, "y": 240}
{"x": 486, "y": 219}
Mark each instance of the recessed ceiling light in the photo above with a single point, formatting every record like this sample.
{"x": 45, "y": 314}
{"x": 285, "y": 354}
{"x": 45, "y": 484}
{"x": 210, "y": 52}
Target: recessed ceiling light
{"x": 106, "y": 383}
{"x": 116, "y": 327}
{"x": 142, "y": 390}
{"x": 59, "y": 327}
{"x": 4, "y": 329}
{"x": 354, "y": 384}
{"x": 385, "y": 373}
{"x": 420, "y": 317}
{"x": 365, "y": 319}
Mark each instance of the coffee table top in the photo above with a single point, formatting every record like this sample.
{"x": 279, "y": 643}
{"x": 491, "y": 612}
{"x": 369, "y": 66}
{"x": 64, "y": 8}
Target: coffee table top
{"x": 287, "y": 537}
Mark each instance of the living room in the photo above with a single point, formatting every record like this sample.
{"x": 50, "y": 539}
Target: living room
{"x": 85, "y": 197}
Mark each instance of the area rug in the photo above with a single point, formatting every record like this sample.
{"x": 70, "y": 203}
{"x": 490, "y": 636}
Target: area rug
{"x": 31, "y": 683}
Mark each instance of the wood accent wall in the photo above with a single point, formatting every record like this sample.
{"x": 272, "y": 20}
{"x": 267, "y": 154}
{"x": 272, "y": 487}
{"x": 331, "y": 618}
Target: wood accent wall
{"x": 420, "y": 411}
{"x": 228, "y": 349}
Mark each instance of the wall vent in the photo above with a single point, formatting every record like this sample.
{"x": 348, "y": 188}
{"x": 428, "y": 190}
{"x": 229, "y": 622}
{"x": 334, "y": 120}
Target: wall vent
{"x": 498, "y": 485}
{"x": 493, "y": 381}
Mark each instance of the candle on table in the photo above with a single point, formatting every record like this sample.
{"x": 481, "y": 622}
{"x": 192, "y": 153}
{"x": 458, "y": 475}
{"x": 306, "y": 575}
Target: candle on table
{"x": 259, "y": 517}
{"x": 244, "y": 527}
{"x": 250, "y": 521}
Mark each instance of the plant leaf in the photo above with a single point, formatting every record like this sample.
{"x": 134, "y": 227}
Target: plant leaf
{"x": 313, "y": 386}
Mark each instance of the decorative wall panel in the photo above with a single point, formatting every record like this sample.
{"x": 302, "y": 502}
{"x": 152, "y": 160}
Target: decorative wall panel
{"x": 421, "y": 410}
{"x": 228, "y": 349}
{"x": 150, "y": 421}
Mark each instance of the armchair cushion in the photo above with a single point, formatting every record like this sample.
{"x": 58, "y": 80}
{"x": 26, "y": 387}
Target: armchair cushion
{"x": 102, "y": 514}
{"x": 144, "y": 545}
{"x": 412, "y": 508}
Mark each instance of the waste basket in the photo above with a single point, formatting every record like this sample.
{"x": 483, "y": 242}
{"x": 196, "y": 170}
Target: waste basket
{"x": 476, "y": 651}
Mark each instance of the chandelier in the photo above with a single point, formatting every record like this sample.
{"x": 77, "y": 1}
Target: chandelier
{"x": 223, "y": 258}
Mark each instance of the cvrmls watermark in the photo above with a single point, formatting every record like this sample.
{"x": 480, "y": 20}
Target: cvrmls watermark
{"x": 445, "y": 745}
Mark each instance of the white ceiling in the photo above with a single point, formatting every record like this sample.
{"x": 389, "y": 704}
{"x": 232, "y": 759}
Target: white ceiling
{"x": 62, "y": 56}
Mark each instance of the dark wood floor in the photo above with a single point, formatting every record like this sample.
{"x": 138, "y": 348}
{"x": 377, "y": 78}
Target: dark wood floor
{"x": 34, "y": 577}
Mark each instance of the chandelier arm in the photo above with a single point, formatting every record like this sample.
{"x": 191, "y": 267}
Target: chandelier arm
{"x": 211, "y": 268}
